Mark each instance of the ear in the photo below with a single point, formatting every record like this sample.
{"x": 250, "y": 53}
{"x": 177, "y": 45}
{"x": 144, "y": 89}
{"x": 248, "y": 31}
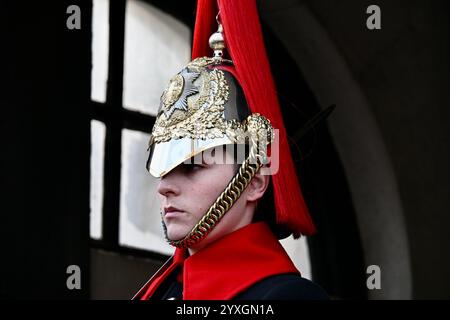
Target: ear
{"x": 257, "y": 187}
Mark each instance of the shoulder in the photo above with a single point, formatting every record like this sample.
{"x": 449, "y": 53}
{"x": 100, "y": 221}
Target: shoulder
{"x": 284, "y": 287}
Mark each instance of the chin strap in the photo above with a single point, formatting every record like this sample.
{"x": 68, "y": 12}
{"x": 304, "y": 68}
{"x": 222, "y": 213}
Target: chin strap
{"x": 260, "y": 134}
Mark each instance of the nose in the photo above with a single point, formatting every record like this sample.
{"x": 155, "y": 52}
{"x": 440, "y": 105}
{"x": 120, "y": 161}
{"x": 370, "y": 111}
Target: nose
{"x": 168, "y": 185}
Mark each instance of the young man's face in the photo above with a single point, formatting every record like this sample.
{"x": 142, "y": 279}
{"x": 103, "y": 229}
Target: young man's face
{"x": 189, "y": 190}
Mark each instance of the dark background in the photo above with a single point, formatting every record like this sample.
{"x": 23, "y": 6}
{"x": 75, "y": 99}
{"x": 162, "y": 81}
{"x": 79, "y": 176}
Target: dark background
{"x": 401, "y": 71}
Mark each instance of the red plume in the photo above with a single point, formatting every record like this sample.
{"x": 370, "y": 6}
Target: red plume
{"x": 245, "y": 45}
{"x": 205, "y": 25}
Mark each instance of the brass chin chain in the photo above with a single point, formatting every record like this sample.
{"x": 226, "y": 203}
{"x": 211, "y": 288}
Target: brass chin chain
{"x": 223, "y": 203}
{"x": 260, "y": 130}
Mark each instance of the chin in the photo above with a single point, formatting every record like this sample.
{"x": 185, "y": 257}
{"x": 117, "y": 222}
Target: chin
{"x": 174, "y": 233}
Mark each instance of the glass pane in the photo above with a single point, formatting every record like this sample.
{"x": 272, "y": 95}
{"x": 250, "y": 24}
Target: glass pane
{"x": 140, "y": 222}
{"x": 96, "y": 192}
{"x": 157, "y": 46}
{"x": 299, "y": 253}
{"x": 100, "y": 42}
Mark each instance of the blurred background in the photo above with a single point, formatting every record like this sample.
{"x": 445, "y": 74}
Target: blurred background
{"x": 78, "y": 106}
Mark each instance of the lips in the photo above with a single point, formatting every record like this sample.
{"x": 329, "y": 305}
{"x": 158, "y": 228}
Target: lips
{"x": 170, "y": 212}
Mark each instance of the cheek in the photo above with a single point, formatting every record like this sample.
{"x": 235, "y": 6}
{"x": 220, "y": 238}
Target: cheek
{"x": 203, "y": 196}
{"x": 204, "y": 188}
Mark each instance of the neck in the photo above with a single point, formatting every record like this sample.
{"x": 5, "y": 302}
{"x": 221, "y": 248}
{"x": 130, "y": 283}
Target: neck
{"x": 232, "y": 221}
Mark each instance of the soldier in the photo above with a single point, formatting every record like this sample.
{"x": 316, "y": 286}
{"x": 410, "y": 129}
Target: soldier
{"x": 214, "y": 150}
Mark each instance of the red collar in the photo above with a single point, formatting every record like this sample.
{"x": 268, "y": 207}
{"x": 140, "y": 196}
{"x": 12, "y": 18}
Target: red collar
{"x": 228, "y": 266}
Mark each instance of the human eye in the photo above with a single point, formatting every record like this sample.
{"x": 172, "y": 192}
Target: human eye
{"x": 191, "y": 167}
